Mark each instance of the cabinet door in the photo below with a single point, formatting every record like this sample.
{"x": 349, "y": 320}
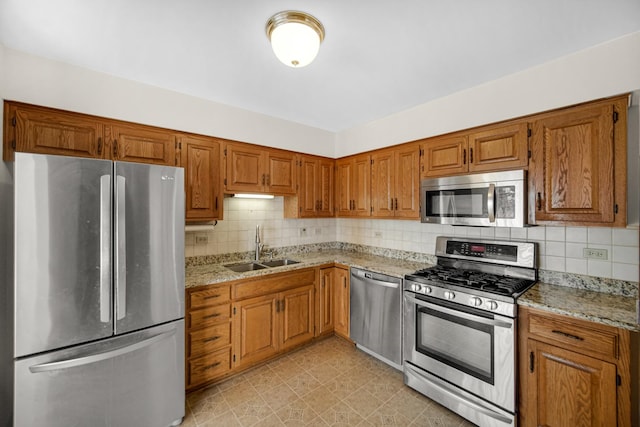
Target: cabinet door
{"x": 47, "y": 131}
{"x": 341, "y": 302}
{"x": 308, "y": 202}
{"x": 498, "y": 147}
{"x": 325, "y": 300}
{"x": 361, "y": 186}
{"x": 344, "y": 202}
{"x": 297, "y": 316}
{"x": 280, "y": 178}
{"x": 407, "y": 183}
{"x": 445, "y": 156}
{"x": 256, "y": 329}
{"x": 142, "y": 144}
{"x": 567, "y": 389}
{"x": 201, "y": 161}
{"x": 571, "y": 168}
{"x": 383, "y": 183}
{"x": 324, "y": 187}
{"x": 245, "y": 170}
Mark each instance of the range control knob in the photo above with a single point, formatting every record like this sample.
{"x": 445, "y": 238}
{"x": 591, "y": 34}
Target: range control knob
{"x": 449, "y": 295}
{"x": 476, "y": 301}
{"x": 493, "y": 305}
{"x": 416, "y": 287}
{"x": 427, "y": 290}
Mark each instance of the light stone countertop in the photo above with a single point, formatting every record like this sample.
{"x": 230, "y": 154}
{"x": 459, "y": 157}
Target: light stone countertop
{"x": 602, "y": 307}
{"x": 615, "y": 310}
{"x": 216, "y": 273}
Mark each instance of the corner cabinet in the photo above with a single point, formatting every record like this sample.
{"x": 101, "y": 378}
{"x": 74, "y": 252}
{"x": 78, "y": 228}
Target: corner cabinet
{"x": 395, "y": 183}
{"x": 251, "y": 169}
{"x": 572, "y": 372}
{"x": 353, "y": 186}
{"x": 488, "y": 148}
{"x": 578, "y": 166}
{"x": 314, "y": 198}
{"x": 200, "y": 157}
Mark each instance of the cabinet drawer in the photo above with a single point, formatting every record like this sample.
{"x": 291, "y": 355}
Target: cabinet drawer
{"x": 205, "y": 340}
{"x": 574, "y": 335}
{"x": 209, "y": 367}
{"x": 209, "y": 316}
{"x": 209, "y": 296}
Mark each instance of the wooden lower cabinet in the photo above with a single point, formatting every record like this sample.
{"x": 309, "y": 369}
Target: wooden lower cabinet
{"x": 274, "y": 314}
{"x": 573, "y": 373}
{"x": 208, "y": 334}
{"x": 341, "y": 301}
{"x": 326, "y": 285}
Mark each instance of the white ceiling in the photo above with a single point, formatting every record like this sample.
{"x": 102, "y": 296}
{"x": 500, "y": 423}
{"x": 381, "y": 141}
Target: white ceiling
{"x": 379, "y": 56}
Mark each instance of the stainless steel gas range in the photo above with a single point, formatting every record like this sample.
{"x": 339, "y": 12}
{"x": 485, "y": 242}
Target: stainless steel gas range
{"x": 460, "y": 326}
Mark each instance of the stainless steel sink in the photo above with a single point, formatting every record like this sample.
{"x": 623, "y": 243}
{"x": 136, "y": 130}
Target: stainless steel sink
{"x": 245, "y": 266}
{"x": 279, "y": 262}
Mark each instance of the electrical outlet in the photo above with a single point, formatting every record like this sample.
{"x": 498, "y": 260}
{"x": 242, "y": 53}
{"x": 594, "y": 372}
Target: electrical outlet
{"x": 377, "y": 234}
{"x": 202, "y": 239}
{"x": 318, "y": 231}
{"x": 303, "y": 231}
{"x": 592, "y": 253}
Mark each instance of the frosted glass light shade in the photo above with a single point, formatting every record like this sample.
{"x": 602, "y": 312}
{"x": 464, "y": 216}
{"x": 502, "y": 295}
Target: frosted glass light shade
{"x": 295, "y": 37}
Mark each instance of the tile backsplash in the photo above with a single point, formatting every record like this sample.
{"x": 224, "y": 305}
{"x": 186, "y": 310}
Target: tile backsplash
{"x": 560, "y": 248}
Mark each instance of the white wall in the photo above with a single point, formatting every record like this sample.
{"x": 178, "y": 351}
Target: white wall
{"x": 41, "y": 81}
{"x": 608, "y": 69}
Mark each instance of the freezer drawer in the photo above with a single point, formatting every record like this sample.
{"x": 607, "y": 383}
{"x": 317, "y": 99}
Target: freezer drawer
{"x": 131, "y": 380}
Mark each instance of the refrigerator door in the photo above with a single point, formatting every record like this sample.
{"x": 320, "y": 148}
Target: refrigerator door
{"x": 132, "y": 380}
{"x": 62, "y": 252}
{"x": 149, "y": 245}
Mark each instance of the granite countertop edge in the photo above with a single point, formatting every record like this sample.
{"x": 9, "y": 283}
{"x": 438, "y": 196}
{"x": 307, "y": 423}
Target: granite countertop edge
{"x": 614, "y": 310}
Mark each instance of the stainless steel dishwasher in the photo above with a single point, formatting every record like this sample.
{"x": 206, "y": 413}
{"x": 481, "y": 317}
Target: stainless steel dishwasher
{"x": 376, "y": 321}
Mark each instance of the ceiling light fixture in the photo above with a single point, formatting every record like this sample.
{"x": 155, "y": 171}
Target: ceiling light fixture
{"x": 295, "y": 37}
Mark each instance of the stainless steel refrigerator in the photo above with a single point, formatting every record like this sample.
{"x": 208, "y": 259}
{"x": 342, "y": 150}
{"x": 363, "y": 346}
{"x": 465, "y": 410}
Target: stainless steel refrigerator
{"x": 93, "y": 293}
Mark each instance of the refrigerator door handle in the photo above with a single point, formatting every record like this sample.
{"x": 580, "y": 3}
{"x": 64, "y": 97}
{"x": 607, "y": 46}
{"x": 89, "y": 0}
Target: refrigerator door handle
{"x": 97, "y": 357}
{"x": 121, "y": 247}
{"x": 105, "y": 248}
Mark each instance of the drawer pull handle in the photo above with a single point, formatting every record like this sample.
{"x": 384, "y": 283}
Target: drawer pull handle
{"x": 214, "y": 365}
{"x": 209, "y": 316}
{"x": 573, "y": 337}
{"x": 212, "y": 296}
{"x": 217, "y": 337}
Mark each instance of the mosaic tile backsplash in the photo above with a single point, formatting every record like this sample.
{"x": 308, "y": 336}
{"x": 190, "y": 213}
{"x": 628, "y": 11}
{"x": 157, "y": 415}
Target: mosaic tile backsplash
{"x": 560, "y": 248}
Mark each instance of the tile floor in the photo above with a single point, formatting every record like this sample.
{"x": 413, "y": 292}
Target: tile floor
{"x": 328, "y": 383}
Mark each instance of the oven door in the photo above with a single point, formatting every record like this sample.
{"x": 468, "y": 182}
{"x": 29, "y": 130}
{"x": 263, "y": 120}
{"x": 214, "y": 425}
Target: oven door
{"x": 469, "y": 348}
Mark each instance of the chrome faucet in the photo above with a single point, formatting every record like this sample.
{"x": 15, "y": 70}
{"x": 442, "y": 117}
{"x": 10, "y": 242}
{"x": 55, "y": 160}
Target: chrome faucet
{"x": 258, "y": 244}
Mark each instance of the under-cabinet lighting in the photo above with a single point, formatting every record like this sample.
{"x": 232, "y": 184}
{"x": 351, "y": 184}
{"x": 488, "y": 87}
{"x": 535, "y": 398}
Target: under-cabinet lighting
{"x": 253, "y": 196}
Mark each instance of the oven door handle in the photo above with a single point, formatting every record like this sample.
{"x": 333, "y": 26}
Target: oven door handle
{"x": 491, "y": 203}
{"x": 492, "y": 322}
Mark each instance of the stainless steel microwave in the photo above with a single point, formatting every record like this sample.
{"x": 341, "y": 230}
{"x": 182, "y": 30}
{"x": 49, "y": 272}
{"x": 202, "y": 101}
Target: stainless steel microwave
{"x": 496, "y": 199}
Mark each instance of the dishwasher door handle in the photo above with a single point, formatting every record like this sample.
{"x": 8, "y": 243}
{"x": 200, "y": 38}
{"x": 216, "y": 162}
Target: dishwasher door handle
{"x": 385, "y": 283}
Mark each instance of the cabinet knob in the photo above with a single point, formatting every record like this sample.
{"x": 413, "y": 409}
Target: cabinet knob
{"x": 464, "y": 156}
{"x": 539, "y": 201}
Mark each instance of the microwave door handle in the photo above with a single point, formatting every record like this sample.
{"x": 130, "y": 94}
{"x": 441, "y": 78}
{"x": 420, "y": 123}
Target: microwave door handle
{"x": 491, "y": 202}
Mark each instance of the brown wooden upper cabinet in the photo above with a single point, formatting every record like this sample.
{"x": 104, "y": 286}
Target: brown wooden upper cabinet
{"x": 578, "y": 166}
{"x": 315, "y": 189}
{"x": 41, "y": 130}
{"x": 395, "y": 182}
{"x": 251, "y": 169}
{"x": 49, "y": 131}
{"x": 489, "y": 148}
{"x": 353, "y": 186}
{"x": 200, "y": 157}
